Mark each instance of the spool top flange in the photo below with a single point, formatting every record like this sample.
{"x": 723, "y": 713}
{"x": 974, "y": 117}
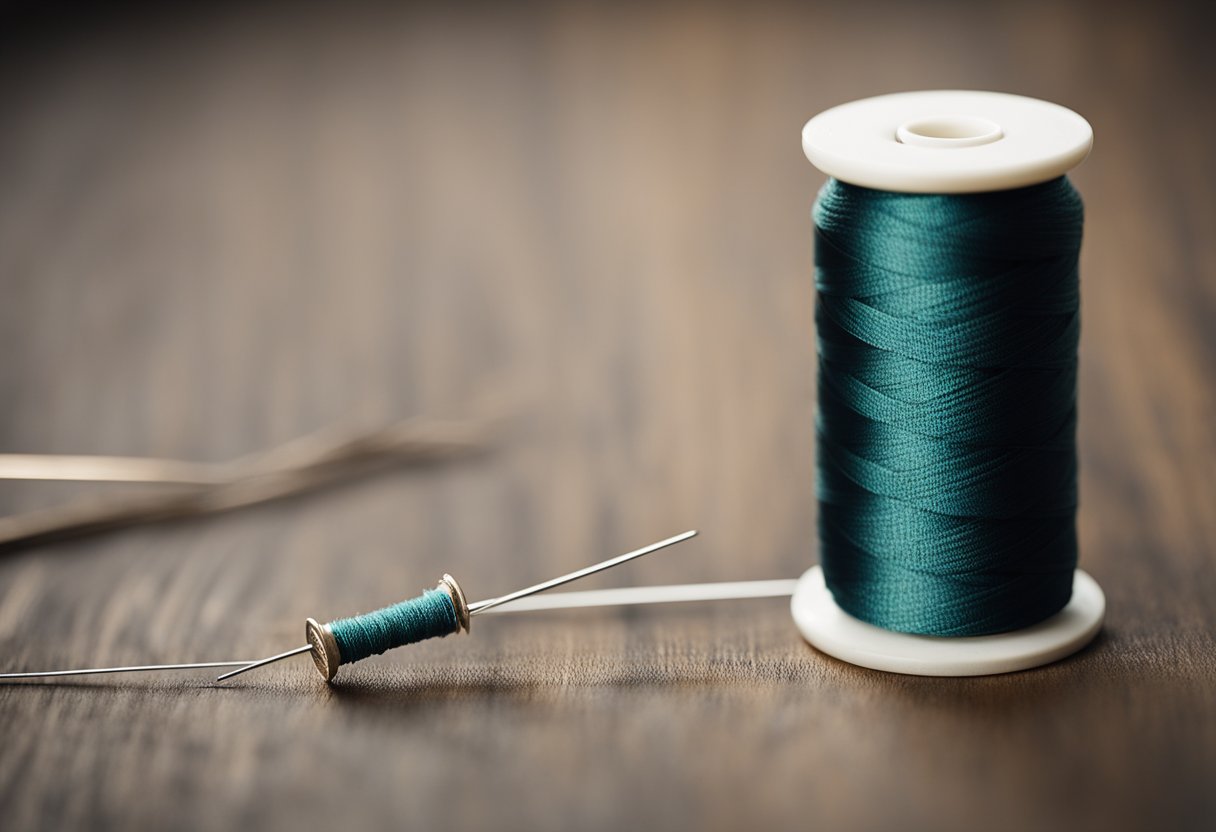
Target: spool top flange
{"x": 947, "y": 141}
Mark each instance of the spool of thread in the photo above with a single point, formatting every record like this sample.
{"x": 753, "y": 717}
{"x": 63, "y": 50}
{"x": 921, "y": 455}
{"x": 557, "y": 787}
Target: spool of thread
{"x": 947, "y": 241}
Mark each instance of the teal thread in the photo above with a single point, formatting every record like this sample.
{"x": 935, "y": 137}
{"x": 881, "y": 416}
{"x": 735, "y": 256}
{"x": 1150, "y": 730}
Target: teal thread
{"x": 946, "y": 459}
{"x": 430, "y": 615}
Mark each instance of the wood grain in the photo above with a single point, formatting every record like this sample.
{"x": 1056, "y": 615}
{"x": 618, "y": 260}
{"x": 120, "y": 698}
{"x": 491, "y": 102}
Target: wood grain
{"x": 223, "y": 228}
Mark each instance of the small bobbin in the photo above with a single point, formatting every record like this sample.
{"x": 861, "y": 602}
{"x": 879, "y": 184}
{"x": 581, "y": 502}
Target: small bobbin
{"x": 324, "y": 647}
{"x": 946, "y": 142}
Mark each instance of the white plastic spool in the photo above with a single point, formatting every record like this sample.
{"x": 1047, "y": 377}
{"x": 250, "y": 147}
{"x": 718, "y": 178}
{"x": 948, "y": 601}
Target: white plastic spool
{"x": 946, "y": 142}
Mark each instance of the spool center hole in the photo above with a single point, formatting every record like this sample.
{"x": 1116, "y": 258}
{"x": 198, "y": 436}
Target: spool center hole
{"x": 949, "y": 131}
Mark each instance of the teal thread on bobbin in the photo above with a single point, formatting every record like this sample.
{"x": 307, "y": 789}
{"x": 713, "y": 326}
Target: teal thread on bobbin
{"x": 947, "y": 329}
{"x": 430, "y": 615}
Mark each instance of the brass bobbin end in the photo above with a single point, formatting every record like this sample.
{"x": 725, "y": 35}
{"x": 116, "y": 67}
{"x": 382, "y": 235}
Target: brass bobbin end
{"x": 448, "y": 584}
{"x": 325, "y": 653}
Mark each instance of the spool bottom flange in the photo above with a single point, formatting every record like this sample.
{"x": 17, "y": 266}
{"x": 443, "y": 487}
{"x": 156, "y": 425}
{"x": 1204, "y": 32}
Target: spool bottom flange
{"x": 835, "y": 632}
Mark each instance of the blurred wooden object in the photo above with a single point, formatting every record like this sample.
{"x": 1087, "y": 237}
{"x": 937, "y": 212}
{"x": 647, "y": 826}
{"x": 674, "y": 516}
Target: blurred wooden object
{"x": 194, "y": 489}
{"x": 222, "y": 228}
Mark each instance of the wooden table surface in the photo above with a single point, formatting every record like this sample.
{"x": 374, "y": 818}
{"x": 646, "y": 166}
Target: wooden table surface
{"x": 220, "y": 229}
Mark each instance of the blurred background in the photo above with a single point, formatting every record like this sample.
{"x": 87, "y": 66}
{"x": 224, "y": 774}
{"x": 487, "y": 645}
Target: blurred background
{"x": 226, "y": 225}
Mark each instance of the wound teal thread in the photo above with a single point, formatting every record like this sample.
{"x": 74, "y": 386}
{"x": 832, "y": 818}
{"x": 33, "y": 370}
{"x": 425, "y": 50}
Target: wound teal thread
{"x": 430, "y": 615}
{"x": 946, "y": 459}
